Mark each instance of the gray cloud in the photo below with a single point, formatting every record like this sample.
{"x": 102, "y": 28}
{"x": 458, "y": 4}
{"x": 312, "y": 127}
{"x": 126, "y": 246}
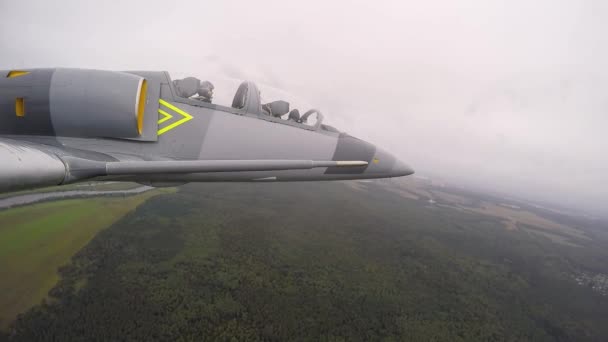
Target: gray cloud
{"x": 504, "y": 95}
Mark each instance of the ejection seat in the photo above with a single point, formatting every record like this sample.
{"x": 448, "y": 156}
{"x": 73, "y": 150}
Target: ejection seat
{"x": 294, "y": 116}
{"x": 247, "y": 98}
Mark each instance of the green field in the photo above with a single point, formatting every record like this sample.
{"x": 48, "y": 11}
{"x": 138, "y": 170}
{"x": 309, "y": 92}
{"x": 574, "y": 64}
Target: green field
{"x": 36, "y": 240}
{"x": 87, "y": 186}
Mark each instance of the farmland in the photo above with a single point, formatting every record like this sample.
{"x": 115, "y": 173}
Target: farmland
{"x": 36, "y": 240}
{"x": 329, "y": 261}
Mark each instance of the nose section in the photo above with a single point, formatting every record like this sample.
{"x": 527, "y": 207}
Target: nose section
{"x": 401, "y": 169}
{"x": 384, "y": 164}
{"x": 381, "y": 164}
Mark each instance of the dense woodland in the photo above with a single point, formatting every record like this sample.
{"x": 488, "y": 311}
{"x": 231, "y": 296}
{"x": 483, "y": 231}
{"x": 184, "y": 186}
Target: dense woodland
{"x": 321, "y": 262}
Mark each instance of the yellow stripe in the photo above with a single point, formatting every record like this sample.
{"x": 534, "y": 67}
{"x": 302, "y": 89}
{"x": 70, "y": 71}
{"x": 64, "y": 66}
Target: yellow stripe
{"x": 141, "y": 106}
{"x": 166, "y": 117}
{"x": 187, "y": 117}
{"x": 16, "y": 73}
{"x": 20, "y": 107}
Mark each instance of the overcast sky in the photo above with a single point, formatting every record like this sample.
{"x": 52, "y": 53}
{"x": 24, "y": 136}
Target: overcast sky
{"x": 510, "y": 96}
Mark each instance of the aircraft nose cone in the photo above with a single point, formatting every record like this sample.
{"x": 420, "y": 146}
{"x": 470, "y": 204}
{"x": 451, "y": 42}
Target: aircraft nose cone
{"x": 386, "y": 165}
{"x": 401, "y": 169}
{"x": 381, "y": 164}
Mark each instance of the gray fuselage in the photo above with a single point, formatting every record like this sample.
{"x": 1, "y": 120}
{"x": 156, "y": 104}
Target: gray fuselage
{"x": 172, "y": 129}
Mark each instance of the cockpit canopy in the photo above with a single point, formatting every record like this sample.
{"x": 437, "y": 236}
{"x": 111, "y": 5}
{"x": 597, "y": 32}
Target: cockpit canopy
{"x": 248, "y": 99}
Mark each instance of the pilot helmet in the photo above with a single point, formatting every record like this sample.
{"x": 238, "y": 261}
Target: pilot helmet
{"x": 206, "y": 89}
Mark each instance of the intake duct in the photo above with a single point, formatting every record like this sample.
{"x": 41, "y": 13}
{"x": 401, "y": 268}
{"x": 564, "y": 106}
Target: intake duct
{"x": 72, "y": 103}
{"x": 97, "y": 103}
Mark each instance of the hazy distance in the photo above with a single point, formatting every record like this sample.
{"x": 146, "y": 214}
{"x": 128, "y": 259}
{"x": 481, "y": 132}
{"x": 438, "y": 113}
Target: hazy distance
{"x": 507, "y": 96}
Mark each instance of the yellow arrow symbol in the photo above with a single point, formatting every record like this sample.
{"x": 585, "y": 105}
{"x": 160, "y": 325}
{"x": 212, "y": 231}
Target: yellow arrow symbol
{"x": 166, "y": 116}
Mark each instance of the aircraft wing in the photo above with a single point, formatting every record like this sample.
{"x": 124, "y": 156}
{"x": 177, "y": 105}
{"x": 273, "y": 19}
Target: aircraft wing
{"x": 31, "y": 165}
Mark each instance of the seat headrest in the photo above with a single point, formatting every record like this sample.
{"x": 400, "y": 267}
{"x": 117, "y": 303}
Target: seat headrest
{"x": 187, "y": 87}
{"x": 240, "y": 98}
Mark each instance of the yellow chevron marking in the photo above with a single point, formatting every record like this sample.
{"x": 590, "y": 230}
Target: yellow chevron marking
{"x": 166, "y": 116}
{"x": 186, "y": 117}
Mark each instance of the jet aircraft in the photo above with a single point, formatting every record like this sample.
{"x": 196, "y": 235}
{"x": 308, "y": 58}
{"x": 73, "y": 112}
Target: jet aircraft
{"x": 61, "y": 125}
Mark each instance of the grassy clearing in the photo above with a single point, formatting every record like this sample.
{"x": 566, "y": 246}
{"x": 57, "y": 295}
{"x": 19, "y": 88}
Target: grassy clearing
{"x": 36, "y": 240}
{"x": 85, "y": 186}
